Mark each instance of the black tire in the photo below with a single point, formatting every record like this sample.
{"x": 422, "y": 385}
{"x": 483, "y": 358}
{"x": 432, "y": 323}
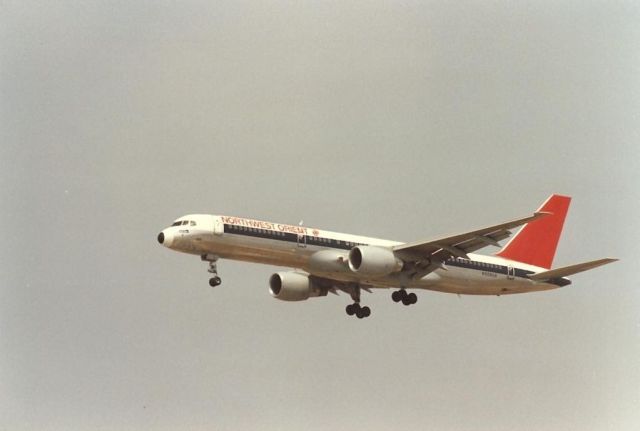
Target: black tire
{"x": 350, "y": 309}
{"x": 366, "y": 311}
{"x": 214, "y": 281}
{"x": 413, "y": 298}
{"x": 360, "y": 313}
{"x": 396, "y": 296}
{"x": 406, "y": 300}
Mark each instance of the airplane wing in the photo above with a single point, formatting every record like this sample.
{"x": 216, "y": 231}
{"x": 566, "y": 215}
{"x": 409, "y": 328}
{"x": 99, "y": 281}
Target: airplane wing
{"x": 436, "y": 251}
{"x": 570, "y": 270}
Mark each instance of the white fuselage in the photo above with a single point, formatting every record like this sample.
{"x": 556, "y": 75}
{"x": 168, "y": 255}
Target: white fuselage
{"x": 325, "y": 254}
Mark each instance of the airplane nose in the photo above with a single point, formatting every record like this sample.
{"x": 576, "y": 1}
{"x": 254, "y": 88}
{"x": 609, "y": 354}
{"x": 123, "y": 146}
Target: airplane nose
{"x": 166, "y": 238}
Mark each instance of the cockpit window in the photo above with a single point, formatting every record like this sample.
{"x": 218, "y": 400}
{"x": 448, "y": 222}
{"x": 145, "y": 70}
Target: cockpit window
{"x": 183, "y": 223}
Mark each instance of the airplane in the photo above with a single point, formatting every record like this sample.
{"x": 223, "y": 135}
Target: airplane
{"x": 328, "y": 262}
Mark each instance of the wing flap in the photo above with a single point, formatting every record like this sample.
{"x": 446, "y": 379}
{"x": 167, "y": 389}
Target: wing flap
{"x": 570, "y": 270}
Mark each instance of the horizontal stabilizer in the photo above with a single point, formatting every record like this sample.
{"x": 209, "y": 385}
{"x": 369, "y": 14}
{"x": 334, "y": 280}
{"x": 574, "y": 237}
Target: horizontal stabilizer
{"x": 570, "y": 270}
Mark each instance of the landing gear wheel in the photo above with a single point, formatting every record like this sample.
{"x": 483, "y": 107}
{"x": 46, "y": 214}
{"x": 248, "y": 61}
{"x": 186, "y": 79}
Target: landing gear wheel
{"x": 357, "y": 310}
{"x": 413, "y": 298}
{"x": 406, "y": 298}
{"x": 213, "y": 269}
{"x": 351, "y": 310}
{"x": 397, "y": 295}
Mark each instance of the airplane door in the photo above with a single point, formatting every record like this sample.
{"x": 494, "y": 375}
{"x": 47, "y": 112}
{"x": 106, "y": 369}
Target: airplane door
{"x": 511, "y": 273}
{"x": 302, "y": 240}
{"x": 218, "y": 227}
{"x": 302, "y": 237}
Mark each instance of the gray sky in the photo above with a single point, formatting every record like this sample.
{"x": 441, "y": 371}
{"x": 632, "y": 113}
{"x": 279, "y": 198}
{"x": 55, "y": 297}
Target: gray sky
{"x": 401, "y": 120}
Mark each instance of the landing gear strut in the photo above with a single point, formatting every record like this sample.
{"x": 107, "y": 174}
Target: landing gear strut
{"x": 355, "y": 308}
{"x": 406, "y": 298}
{"x": 213, "y": 269}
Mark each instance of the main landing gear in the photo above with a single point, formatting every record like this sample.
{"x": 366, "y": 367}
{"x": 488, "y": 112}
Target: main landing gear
{"x": 406, "y": 298}
{"x": 213, "y": 269}
{"x": 356, "y": 309}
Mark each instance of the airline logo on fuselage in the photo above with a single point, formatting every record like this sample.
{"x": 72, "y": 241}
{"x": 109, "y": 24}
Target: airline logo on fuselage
{"x": 257, "y": 224}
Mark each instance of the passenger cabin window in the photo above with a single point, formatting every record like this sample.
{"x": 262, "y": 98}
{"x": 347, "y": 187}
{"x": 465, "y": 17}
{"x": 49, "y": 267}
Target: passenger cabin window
{"x": 185, "y": 222}
{"x": 192, "y": 223}
{"x": 177, "y": 223}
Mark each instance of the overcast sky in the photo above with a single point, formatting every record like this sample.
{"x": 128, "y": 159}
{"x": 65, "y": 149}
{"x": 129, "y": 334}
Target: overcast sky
{"x": 401, "y": 120}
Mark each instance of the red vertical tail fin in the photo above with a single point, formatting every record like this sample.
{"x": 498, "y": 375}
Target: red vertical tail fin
{"x": 536, "y": 242}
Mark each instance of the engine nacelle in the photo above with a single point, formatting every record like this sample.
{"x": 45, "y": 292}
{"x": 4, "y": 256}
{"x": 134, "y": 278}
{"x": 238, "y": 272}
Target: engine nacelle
{"x": 293, "y": 286}
{"x": 373, "y": 261}
{"x": 328, "y": 261}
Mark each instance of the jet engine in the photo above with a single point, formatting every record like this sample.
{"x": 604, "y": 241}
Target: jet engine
{"x": 373, "y": 261}
{"x": 293, "y": 286}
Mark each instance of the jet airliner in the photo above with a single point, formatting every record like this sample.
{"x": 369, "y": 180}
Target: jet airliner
{"x": 328, "y": 262}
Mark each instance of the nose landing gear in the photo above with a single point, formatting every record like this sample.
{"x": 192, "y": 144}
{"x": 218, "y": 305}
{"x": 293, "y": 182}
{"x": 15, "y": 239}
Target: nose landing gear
{"x": 213, "y": 269}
